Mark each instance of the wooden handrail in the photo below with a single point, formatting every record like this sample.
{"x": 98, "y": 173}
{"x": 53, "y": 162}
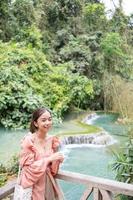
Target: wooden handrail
{"x": 102, "y": 188}
{"x": 102, "y": 183}
{"x": 7, "y": 189}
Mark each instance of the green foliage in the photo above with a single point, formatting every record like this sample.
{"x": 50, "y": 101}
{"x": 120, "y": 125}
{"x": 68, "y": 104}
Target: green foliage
{"x": 63, "y": 36}
{"x": 94, "y": 16}
{"x": 78, "y": 40}
{"x": 119, "y": 21}
{"x": 81, "y": 91}
{"x": 3, "y": 175}
{"x": 124, "y": 164}
{"x": 13, "y": 165}
{"x": 17, "y": 98}
{"x": 112, "y": 45}
{"x": 116, "y": 54}
{"x": 92, "y": 1}
{"x": 3, "y": 179}
{"x": 83, "y": 54}
{"x": 11, "y": 169}
{"x": 59, "y": 11}
{"x": 124, "y": 168}
{"x": 78, "y": 54}
{"x": 15, "y": 16}
{"x": 4, "y": 19}
{"x": 97, "y": 102}
{"x": 23, "y": 12}
{"x": 27, "y": 81}
{"x": 2, "y": 168}
{"x": 61, "y": 90}
{"x": 30, "y": 37}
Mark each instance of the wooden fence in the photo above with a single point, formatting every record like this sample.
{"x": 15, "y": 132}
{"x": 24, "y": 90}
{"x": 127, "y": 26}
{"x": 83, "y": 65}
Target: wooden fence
{"x": 101, "y": 188}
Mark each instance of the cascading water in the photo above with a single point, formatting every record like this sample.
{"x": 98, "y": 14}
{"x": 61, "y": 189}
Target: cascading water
{"x": 103, "y": 138}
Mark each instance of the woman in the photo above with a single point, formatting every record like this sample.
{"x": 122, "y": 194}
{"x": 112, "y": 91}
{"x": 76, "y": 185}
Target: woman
{"x": 39, "y": 160}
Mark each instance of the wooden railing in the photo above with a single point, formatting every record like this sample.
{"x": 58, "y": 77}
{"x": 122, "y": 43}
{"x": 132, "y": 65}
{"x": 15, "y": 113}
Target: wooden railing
{"x": 102, "y": 189}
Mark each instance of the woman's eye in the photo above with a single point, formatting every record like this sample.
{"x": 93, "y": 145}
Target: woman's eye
{"x": 44, "y": 120}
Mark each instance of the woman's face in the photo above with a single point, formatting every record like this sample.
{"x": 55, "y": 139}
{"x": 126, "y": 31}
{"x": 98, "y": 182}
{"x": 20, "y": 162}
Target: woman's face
{"x": 44, "y": 122}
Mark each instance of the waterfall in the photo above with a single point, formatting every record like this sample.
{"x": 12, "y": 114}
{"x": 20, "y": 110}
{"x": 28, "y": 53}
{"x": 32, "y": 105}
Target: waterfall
{"x": 102, "y": 138}
{"x": 90, "y": 118}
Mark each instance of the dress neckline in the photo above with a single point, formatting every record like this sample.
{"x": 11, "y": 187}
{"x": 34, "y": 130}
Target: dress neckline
{"x": 46, "y": 140}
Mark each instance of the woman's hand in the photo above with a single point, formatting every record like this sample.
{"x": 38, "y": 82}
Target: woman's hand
{"x": 56, "y": 156}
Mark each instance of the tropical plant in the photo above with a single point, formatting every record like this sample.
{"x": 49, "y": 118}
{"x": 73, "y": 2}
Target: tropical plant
{"x": 124, "y": 164}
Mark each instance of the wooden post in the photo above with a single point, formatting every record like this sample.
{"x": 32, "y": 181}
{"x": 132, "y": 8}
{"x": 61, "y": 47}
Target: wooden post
{"x": 86, "y": 194}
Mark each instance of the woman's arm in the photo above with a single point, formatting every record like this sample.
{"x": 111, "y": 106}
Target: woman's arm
{"x": 32, "y": 169}
{"x": 55, "y": 164}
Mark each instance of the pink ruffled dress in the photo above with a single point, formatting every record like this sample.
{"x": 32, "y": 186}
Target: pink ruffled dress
{"x": 36, "y": 171}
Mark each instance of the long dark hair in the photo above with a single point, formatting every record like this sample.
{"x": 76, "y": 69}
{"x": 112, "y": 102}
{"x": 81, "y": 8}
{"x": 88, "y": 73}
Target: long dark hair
{"x": 35, "y": 115}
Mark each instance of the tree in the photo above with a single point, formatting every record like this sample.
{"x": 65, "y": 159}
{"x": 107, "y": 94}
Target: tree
{"x": 119, "y": 22}
{"x": 4, "y": 20}
{"x": 24, "y": 13}
{"x": 116, "y": 55}
{"x": 59, "y": 12}
{"x": 94, "y": 17}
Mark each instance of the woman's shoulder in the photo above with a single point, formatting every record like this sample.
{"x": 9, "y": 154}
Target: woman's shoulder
{"x": 27, "y": 141}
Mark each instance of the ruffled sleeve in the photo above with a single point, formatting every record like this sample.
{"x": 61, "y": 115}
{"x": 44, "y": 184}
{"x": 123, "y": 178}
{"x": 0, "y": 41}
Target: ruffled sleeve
{"x": 55, "y": 164}
{"x": 32, "y": 169}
